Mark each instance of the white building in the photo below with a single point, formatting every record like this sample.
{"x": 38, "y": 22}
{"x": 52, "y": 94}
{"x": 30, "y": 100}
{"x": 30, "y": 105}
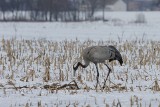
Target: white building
{"x": 120, "y": 5}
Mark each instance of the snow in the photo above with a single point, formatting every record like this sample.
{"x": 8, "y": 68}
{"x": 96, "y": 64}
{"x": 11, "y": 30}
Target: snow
{"x": 120, "y": 23}
{"x": 92, "y": 98}
{"x": 134, "y": 82}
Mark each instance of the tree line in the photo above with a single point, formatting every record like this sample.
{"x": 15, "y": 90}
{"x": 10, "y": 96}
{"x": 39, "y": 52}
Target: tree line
{"x": 50, "y": 10}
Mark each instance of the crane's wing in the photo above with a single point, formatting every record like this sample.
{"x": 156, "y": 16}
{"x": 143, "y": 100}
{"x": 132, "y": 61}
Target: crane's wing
{"x": 98, "y": 54}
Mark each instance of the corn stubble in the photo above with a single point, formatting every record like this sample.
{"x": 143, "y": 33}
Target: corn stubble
{"x": 52, "y": 61}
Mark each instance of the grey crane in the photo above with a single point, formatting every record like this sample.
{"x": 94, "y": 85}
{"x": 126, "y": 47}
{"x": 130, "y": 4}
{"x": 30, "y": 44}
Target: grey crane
{"x": 98, "y": 54}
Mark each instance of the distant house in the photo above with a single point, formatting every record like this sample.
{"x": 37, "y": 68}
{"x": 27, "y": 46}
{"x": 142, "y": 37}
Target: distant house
{"x": 140, "y": 5}
{"x": 119, "y": 5}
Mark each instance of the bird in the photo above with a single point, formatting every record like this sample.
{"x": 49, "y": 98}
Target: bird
{"x": 99, "y": 54}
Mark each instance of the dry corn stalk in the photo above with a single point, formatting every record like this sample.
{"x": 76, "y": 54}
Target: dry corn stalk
{"x": 47, "y": 69}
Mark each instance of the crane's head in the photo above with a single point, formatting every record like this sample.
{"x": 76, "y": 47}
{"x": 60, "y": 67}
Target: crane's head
{"x": 75, "y": 67}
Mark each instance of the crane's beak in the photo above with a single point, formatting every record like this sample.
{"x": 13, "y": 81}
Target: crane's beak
{"x": 74, "y": 73}
{"x": 121, "y": 62}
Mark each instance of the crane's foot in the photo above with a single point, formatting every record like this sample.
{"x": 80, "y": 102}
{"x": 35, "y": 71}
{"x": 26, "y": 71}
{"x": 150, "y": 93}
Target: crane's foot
{"x": 96, "y": 87}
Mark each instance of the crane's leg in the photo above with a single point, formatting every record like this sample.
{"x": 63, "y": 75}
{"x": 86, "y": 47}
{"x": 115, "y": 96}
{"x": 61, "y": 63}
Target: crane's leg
{"x": 107, "y": 75}
{"x": 97, "y": 75}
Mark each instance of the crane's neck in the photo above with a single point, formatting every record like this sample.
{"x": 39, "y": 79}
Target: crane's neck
{"x": 76, "y": 65}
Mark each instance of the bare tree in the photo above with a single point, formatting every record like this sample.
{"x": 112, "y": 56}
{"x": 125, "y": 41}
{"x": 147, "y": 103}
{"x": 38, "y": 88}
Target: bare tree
{"x": 3, "y": 8}
{"x": 157, "y": 2}
{"x": 52, "y": 10}
{"x": 103, "y": 4}
{"x": 92, "y": 6}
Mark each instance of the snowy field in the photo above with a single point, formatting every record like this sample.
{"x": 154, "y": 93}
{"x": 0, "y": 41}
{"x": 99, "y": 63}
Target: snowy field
{"x": 36, "y": 62}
